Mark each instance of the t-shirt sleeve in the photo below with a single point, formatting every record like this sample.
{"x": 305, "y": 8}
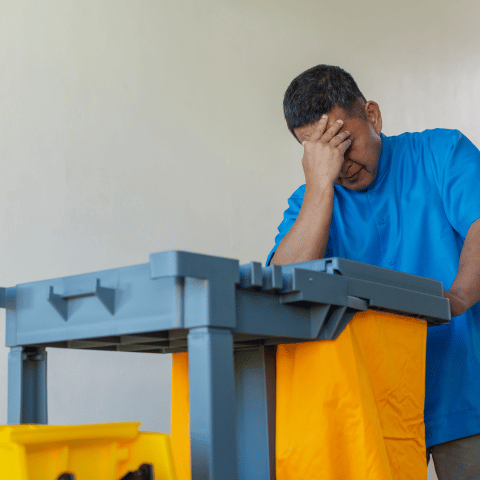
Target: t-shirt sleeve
{"x": 289, "y": 217}
{"x": 459, "y": 182}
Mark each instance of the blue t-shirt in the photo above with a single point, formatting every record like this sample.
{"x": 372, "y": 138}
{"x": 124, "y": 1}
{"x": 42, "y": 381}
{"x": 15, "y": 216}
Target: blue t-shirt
{"x": 414, "y": 218}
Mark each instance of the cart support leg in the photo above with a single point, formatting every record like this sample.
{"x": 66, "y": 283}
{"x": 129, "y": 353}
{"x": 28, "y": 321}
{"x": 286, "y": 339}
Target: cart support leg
{"x": 252, "y": 414}
{"x": 27, "y": 385}
{"x": 212, "y": 404}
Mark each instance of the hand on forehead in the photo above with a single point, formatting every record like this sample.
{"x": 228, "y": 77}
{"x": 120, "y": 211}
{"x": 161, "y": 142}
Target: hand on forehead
{"x": 332, "y": 116}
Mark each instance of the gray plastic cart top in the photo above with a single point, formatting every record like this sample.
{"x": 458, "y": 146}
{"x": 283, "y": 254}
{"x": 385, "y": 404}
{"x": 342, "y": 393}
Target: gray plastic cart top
{"x": 226, "y": 315}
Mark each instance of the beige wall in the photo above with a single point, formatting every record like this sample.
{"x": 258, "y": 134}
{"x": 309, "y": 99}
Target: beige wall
{"x": 130, "y": 127}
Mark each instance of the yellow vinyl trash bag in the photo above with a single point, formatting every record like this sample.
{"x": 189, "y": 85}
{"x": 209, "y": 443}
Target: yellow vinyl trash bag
{"x": 352, "y": 408}
{"x": 347, "y": 409}
{"x": 179, "y": 428}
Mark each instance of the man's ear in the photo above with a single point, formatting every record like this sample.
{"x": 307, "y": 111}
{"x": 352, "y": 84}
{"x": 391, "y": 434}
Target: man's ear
{"x": 374, "y": 116}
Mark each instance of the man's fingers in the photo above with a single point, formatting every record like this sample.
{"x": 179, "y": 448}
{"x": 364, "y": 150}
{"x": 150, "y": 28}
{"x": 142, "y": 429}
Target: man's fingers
{"x": 341, "y": 141}
{"x": 342, "y": 148}
{"x": 338, "y": 139}
{"x": 332, "y": 131}
{"x": 320, "y": 130}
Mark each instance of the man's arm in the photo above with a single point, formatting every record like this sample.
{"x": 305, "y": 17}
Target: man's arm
{"x": 322, "y": 162}
{"x": 465, "y": 289}
{"x": 308, "y": 237}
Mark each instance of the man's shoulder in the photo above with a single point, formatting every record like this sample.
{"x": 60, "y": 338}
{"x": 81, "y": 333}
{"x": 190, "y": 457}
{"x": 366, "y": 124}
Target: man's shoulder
{"x": 431, "y": 147}
{"x": 434, "y": 136}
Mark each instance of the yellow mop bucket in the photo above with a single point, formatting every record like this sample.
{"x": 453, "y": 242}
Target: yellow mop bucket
{"x": 114, "y": 451}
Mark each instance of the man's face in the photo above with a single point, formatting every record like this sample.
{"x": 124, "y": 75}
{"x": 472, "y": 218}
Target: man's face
{"x": 360, "y": 164}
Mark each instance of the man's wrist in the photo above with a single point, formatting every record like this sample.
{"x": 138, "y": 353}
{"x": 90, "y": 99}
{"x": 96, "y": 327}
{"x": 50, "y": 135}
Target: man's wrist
{"x": 319, "y": 188}
{"x": 459, "y": 302}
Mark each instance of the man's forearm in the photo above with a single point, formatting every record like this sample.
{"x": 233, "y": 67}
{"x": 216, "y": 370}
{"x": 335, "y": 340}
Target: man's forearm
{"x": 465, "y": 289}
{"x": 323, "y": 157}
{"x": 307, "y": 239}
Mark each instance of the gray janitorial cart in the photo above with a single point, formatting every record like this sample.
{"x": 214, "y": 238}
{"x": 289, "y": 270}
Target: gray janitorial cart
{"x": 229, "y": 317}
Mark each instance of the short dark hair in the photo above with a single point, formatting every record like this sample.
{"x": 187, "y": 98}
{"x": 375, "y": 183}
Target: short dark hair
{"x": 316, "y": 91}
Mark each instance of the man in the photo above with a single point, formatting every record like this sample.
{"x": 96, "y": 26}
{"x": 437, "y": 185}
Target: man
{"x": 411, "y": 203}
